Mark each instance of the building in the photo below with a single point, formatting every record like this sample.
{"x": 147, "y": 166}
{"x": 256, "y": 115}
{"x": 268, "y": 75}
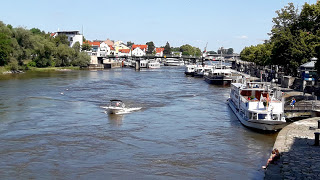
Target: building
{"x": 119, "y": 45}
{"x": 105, "y": 50}
{"x": 73, "y": 36}
{"x": 137, "y": 51}
{"x": 308, "y": 73}
{"x": 159, "y": 51}
{"x": 124, "y": 52}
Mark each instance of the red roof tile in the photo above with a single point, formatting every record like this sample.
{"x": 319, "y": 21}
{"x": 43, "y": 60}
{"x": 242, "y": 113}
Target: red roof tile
{"x": 159, "y": 50}
{"x": 93, "y": 43}
{"x": 111, "y": 48}
{"x": 142, "y": 47}
{"x": 124, "y": 50}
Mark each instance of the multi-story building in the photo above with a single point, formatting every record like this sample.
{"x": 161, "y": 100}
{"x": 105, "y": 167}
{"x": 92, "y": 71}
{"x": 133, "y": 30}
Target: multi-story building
{"x": 73, "y": 36}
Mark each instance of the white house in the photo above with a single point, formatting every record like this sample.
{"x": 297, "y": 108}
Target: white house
{"x": 104, "y": 50}
{"x": 73, "y": 36}
{"x": 138, "y": 52}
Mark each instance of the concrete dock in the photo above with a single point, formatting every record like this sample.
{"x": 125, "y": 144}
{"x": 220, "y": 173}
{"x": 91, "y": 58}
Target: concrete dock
{"x": 300, "y": 158}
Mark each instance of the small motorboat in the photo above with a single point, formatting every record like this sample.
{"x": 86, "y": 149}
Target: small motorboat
{"x": 118, "y": 107}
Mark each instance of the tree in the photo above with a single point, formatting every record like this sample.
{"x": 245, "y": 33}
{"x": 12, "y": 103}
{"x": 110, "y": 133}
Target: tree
{"x": 230, "y": 51}
{"x": 61, "y": 39}
{"x": 287, "y": 18}
{"x": 190, "y": 50}
{"x": 76, "y": 46}
{"x": 129, "y": 43}
{"x": 82, "y": 60}
{"x": 5, "y": 49}
{"x": 167, "y": 49}
{"x": 35, "y": 31}
{"x": 86, "y": 47}
{"x": 150, "y": 47}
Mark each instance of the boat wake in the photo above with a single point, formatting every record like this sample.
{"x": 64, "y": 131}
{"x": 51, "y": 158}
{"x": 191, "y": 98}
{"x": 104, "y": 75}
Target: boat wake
{"x": 122, "y": 111}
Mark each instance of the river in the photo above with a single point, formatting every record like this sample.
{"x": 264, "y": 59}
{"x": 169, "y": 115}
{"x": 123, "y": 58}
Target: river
{"x": 52, "y": 126}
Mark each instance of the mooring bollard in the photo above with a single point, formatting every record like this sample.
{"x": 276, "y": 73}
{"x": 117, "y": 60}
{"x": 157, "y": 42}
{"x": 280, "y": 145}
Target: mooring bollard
{"x": 316, "y": 138}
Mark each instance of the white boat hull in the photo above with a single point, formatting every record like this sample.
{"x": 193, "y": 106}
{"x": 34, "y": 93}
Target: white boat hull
{"x": 265, "y": 125}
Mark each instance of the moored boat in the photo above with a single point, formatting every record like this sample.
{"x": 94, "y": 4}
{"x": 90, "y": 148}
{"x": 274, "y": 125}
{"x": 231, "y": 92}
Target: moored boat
{"x": 153, "y": 65}
{"x": 256, "y": 107}
{"x": 173, "y": 62}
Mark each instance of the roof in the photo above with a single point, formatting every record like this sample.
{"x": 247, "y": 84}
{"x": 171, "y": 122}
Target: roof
{"x": 52, "y": 34}
{"x": 93, "y": 43}
{"x": 142, "y": 47}
{"x": 124, "y": 50}
{"x": 109, "y": 42}
{"x": 310, "y": 64}
{"x": 159, "y": 50}
{"x": 111, "y": 47}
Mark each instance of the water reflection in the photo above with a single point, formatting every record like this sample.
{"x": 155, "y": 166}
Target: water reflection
{"x": 115, "y": 119}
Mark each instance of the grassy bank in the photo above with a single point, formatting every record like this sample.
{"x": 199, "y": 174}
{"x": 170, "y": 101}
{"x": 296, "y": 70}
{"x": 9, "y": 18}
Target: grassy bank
{"x": 46, "y": 69}
{"x": 54, "y": 69}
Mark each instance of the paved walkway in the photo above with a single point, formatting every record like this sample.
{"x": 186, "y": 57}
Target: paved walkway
{"x": 300, "y": 159}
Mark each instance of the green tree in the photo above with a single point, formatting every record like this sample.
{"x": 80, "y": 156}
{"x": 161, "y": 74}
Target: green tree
{"x": 76, "y": 46}
{"x": 175, "y": 49}
{"x": 86, "y": 47}
{"x": 82, "y": 60}
{"x": 167, "y": 49}
{"x": 5, "y": 49}
{"x": 35, "y": 31}
{"x": 150, "y": 47}
{"x": 129, "y": 43}
{"x": 61, "y": 39}
{"x": 230, "y": 51}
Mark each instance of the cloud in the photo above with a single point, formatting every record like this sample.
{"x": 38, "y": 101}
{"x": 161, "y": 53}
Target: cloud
{"x": 242, "y": 37}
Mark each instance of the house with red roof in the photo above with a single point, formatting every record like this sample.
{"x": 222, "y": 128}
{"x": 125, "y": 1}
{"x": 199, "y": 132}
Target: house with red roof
{"x": 159, "y": 51}
{"x": 142, "y": 47}
{"x": 124, "y": 52}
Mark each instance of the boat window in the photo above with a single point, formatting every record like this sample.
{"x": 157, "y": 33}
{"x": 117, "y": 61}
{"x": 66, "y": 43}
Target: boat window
{"x": 254, "y": 116}
{"x": 275, "y": 117}
{"x": 262, "y": 116}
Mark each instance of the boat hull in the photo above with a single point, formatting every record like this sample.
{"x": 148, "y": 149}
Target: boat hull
{"x": 115, "y": 110}
{"x": 264, "y": 125}
{"x": 218, "y": 81}
{"x": 189, "y": 73}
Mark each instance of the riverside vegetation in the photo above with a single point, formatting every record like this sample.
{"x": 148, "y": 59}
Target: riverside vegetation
{"x": 23, "y": 49}
{"x": 294, "y": 39}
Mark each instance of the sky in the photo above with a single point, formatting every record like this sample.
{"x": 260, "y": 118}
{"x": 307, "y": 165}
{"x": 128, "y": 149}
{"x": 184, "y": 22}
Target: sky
{"x": 226, "y": 23}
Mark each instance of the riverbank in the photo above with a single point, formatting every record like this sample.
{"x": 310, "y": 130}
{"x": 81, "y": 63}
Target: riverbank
{"x": 3, "y": 70}
{"x": 299, "y": 157}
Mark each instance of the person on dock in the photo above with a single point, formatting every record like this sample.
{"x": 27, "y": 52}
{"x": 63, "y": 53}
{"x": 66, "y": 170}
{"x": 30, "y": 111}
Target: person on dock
{"x": 293, "y": 101}
{"x": 275, "y": 156}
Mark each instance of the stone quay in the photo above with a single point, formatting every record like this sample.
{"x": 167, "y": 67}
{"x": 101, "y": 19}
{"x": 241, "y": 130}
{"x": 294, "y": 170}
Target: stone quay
{"x": 300, "y": 157}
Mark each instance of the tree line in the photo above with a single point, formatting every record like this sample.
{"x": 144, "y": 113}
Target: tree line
{"x": 294, "y": 39}
{"x": 23, "y": 48}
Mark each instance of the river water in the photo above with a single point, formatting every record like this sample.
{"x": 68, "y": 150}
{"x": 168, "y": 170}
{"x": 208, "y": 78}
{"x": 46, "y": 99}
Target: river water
{"x": 52, "y": 126}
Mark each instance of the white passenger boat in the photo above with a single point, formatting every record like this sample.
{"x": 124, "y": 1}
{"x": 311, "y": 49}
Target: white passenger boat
{"x": 201, "y": 71}
{"x": 256, "y": 107}
{"x": 173, "y": 62}
{"x": 189, "y": 69}
{"x": 153, "y": 65}
{"x": 219, "y": 76}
